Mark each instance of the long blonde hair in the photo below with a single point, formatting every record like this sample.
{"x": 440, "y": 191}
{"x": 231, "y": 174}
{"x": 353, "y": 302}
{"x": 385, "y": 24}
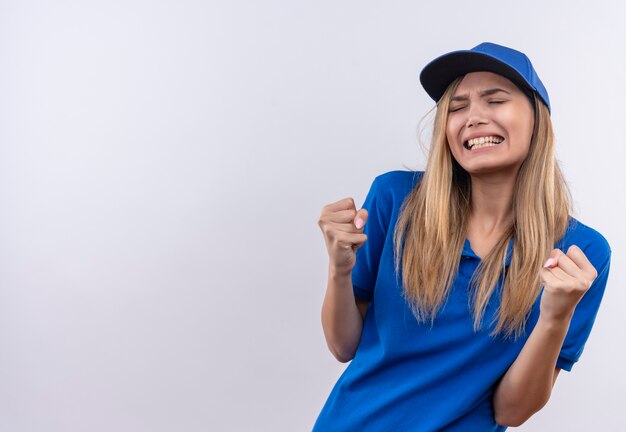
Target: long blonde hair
{"x": 432, "y": 226}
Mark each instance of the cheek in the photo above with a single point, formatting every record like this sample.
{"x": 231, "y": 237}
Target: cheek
{"x": 520, "y": 128}
{"x": 452, "y": 131}
{"x": 448, "y": 138}
{"x": 451, "y": 142}
{"x": 531, "y": 129}
{"x": 525, "y": 124}
{"x": 527, "y": 131}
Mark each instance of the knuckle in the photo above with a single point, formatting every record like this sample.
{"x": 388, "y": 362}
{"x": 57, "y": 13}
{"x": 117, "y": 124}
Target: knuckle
{"x": 573, "y": 248}
{"x": 582, "y": 285}
{"x": 329, "y": 232}
{"x": 339, "y": 237}
{"x": 343, "y": 244}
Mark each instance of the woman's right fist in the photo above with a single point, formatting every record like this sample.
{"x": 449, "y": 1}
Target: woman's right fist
{"x": 342, "y": 226}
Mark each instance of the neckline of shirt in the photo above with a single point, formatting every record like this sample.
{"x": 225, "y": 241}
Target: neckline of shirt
{"x": 468, "y": 252}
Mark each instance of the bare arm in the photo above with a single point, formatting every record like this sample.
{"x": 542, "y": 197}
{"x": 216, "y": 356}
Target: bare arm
{"x": 342, "y": 316}
{"x": 527, "y": 385}
{"x": 342, "y": 313}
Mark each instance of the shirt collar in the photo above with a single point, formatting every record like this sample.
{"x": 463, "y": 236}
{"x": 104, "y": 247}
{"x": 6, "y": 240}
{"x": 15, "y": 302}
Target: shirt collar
{"x": 468, "y": 252}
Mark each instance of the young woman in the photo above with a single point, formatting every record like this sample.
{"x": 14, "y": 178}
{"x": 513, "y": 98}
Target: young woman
{"x": 459, "y": 292}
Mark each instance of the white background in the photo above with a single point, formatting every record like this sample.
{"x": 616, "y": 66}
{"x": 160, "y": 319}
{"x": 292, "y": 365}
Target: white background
{"x": 163, "y": 165}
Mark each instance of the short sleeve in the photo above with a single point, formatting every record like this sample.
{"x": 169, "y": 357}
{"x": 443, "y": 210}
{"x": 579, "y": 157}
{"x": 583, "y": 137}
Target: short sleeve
{"x": 584, "y": 317}
{"x": 368, "y": 255}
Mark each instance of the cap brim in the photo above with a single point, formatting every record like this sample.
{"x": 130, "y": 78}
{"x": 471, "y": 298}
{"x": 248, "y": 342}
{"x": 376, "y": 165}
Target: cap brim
{"x": 439, "y": 73}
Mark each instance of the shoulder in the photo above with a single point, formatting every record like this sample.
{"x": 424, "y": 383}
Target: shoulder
{"x": 595, "y": 246}
{"x": 388, "y": 191}
{"x": 397, "y": 183}
{"x": 399, "y": 176}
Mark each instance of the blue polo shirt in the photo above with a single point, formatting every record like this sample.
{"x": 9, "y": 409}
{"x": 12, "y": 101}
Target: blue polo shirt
{"x": 407, "y": 376}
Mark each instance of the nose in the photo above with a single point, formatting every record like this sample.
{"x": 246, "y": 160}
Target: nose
{"x": 475, "y": 116}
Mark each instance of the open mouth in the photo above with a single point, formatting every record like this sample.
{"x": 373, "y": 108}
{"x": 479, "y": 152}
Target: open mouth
{"x": 486, "y": 141}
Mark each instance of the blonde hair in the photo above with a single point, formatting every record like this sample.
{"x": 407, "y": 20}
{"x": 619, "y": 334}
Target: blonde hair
{"x": 432, "y": 226}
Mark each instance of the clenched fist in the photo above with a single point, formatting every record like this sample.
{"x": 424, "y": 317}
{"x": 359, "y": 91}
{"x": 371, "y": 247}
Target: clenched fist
{"x": 565, "y": 278}
{"x": 342, "y": 226}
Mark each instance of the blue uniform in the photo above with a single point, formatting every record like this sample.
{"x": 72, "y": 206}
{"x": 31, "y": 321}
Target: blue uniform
{"x": 407, "y": 376}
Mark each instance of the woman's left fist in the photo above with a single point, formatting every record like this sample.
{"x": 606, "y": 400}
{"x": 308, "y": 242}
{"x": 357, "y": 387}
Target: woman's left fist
{"x": 565, "y": 279}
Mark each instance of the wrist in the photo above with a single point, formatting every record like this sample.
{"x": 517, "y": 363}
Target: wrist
{"x": 338, "y": 273}
{"x": 555, "y": 323}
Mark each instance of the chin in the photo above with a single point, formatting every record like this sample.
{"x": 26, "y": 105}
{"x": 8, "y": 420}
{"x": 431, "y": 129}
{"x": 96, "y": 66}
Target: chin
{"x": 491, "y": 168}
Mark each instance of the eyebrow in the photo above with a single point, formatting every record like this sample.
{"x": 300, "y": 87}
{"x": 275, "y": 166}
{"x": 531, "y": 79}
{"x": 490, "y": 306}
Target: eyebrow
{"x": 487, "y": 92}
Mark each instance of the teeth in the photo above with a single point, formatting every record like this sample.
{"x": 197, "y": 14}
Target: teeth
{"x": 475, "y": 146}
{"x": 484, "y": 141}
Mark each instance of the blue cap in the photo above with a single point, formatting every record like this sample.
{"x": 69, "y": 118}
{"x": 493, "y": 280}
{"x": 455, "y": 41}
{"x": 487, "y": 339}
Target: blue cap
{"x": 514, "y": 65}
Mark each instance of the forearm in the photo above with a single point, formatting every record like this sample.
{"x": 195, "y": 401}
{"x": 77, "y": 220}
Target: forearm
{"x": 527, "y": 385}
{"x": 341, "y": 320}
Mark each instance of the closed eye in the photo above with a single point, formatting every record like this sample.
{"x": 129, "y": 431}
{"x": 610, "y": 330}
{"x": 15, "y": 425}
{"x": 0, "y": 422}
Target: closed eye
{"x": 455, "y": 109}
{"x": 496, "y": 102}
